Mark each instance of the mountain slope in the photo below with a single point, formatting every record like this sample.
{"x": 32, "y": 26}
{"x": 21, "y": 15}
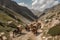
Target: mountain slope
{"x": 36, "y": 12}
{"x": 51, "y": 23}
{"x": 25, "y": 12}
{"x": 5, "y": 20}
{"x": 51, "y": 12}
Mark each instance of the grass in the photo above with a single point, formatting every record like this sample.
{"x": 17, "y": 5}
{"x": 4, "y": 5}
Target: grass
{"x": 54, "y": 30}
{"x": 4, "y": 18}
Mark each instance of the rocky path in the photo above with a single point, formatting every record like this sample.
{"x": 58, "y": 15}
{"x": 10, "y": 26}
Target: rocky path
{"x": 31, "y": 36}
{"x": 27, "y": 36}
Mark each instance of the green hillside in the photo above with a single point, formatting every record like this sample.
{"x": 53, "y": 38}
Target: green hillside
{"x": 8, "y": 22}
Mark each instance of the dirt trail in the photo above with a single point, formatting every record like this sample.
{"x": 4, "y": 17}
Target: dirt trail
{"x": 27, "y": 36}
{"x": 31, "y": 36}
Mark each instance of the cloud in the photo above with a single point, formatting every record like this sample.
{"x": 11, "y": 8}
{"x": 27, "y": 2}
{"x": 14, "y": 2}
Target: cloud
{"x": 40, "y": 4}
{"x": 23, "y": 4}
{"x": 43, "y": 4}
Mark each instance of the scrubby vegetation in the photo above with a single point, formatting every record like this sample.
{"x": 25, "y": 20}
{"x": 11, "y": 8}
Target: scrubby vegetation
{"x": 7, "y": 23}
{"x": 54, "y": 30}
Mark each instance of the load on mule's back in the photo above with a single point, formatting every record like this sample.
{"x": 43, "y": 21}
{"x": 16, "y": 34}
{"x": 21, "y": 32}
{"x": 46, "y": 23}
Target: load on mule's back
{"x": 27, "y": 27}
{"x": 18, "y": 30}
{"x": 33, "y": 26}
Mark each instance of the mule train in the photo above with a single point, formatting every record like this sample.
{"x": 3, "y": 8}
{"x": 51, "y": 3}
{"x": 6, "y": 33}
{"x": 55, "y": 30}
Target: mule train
{"x": 33, "y": 27}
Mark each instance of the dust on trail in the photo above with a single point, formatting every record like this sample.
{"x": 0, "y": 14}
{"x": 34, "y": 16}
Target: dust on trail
{"x": 27, "y": 36}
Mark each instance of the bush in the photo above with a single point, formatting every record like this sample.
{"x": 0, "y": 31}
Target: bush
{"x": 54, "y": 30}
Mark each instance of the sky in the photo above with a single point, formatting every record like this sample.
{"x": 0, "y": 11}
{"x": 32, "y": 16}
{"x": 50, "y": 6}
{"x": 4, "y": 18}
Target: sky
{"x": 38, "y": 4}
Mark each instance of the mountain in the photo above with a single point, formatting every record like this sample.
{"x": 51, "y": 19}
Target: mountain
{"x": 7, "y": 21}
{"x": 51, "y": 12}
{"x": 24, "y": 11}
{"x": 12, "y": 15}
{"x": 51, "y": 23}
{"x": 36, "y": 12}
